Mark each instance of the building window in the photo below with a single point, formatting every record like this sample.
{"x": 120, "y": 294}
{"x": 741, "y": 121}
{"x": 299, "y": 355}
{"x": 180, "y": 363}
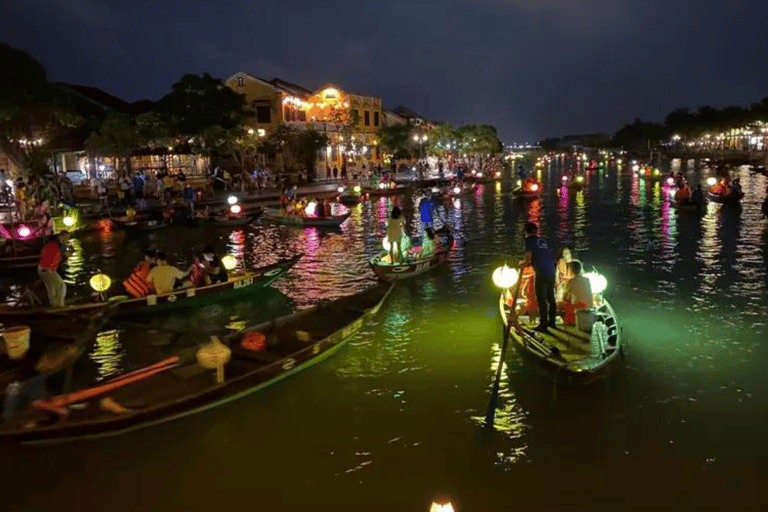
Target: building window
{"x": 240, "y": 81}
{"x": 367, "y": 118}
{"x": 263, "y": 115}
{"x": 375, "y": 119}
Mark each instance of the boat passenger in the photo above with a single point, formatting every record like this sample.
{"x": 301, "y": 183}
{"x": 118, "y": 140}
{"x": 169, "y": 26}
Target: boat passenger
{"x": 683, "y": 194}
{"x": 578, "y": 293}
{"x": 212, "y": 267}
{"x": 53, "y": 254}
{"x": 564, "y": 256}
{"x": 395, "y": 233}
{"x": 426, "y": 211}
{"x": 428, "y": 243}
{"x": 137, "y": 284}
{"x": 538, "y": 255}
{"x": 736, "y": 188}
{"x": 164, "y": 276}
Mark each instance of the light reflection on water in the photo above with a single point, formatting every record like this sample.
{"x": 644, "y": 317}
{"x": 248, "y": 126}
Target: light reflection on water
{"x": 403, "y": 402}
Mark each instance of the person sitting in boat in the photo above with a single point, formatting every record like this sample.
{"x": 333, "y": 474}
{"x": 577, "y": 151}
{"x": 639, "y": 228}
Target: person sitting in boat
{"x": 395, "y": 234}
{"x": 164, "y": 277}
{"x": 697, "y": 196}
{"x": 564, "y": 257}
{"x": 54, "y": 252}
{"x": 683, "y": 194}
{"x": 212, "y": 267}
{"x": 736, "y": 188}
{"x": 577, "y": 294}
{"x": 136, "y": 284}
{"x": 721, "y": 188}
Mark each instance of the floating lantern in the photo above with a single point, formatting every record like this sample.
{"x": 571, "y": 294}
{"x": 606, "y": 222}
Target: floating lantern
{"x": 441, "y": 507}
{"x": 534, "y": 187}
{"x": 670, "y": 181}
{"x": 357, "y": 189}
{"x": 24, "y": 231}
{"x": 504, "y": 277}
{"x": 68, "y": 221}
{"x": 311, "y": 208}
{"x": 232, "y": 199}
{"x": 100, "y": 282}
{"x": 341, "y": 190}
{"x": 711, "y": 181}
{"x": 235, "y": 208}
{"x": 457, "y": 189}
{"x": 596, "y": 281}
{"x": 229, "y": 262}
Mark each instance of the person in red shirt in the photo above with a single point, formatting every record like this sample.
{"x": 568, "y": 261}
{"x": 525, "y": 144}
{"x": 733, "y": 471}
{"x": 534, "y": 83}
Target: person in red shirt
{"x": 50, "y": 259}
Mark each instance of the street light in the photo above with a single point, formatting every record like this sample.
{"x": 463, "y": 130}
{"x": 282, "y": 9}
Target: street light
{"x": 421, "y": 139}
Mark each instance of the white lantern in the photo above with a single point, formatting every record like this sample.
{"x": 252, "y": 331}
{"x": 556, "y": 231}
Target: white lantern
{"x": 597, "y": 282}
{"x": 504, "y": 277}
{"x": 232, "y": 199}
{"x": 711, "y": 181}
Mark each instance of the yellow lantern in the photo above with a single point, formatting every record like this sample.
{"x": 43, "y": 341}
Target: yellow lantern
{"x": 504, "y": 277}
{"x": 229, "y": 262}
{"x": 68, "y": 221}
{"x": 441, "y": 507}
{"x": 100, "y": 282}
{"x": 357, "y": 189}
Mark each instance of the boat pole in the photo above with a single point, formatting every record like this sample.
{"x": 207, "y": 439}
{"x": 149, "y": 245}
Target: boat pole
{"x": 491, "y": 412}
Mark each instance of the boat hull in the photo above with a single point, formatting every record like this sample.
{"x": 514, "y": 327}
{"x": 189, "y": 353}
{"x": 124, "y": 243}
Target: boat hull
{"x": 389, "y": 273}
{"x": 295, "y": 220}
{"x": 723, "y": 199}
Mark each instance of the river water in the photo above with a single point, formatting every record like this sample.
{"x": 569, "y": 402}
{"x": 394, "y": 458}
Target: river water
{"x": 393, "y": 422}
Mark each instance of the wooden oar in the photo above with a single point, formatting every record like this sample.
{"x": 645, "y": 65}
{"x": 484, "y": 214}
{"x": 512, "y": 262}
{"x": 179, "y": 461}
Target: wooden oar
{"x": 491, "y": 412}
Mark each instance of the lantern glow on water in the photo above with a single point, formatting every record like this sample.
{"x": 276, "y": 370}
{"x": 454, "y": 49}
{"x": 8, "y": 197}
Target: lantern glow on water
{"x": 596, "y": 281}
{"x": 504, "y": 277}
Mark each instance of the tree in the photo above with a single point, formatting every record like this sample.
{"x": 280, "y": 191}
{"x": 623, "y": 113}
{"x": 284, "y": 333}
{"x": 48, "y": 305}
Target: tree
{"x": 118, "y": 136}
{"x": 550, "y": 144}
{"x": 309, "y": 143}
{"x": 32, "y": 110}
{"x": 396, "y": 139}
{"x": 638, "y": 135}
{"x": 442, "y": 139}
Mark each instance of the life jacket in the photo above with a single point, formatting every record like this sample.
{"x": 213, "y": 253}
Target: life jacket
{"x": 137, "y": 284}
{"x": 196, "y": 276}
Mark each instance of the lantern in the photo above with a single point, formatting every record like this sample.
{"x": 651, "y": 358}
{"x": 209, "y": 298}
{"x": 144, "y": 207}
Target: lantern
{"x": 357, "y": 189}
{"x": 68, "y": 221}
{"x": 457, "y": 189}
{"x": 564, "y": 178}
{"x": 670, "y": 181}
{"x": 596, "y": 281}
{"x": 23, "y": 231}
{"x": 385, "y": 244}
{"x": 711, "y": 181}
{"x": 229, "y": 262}
{"x": 534, "y": 187}
{"x": 382, "y": 186}
{"x": 235, "y": 208}
{"x": 441, "y": 507}
{"x": 311, "y": 208}
{"x": 341, "y": 190}
{"x": 519, "y": 183}
{"x": 479, "y": 175}
{"x": 580, "y": 179}
{"x": 214, "y": 356}
{"x": 504, "y": 277}
{"x": 232, "y": 199}
{"x": 100, "y": 282}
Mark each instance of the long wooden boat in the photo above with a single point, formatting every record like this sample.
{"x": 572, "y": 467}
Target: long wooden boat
{"x": 178, "y": 386}
{"x": 240, "y": 221}
{"x": 274, "y": 215}
{"x": 526, "y": 195}
{"x": 387, "y": 272}
{"x": 141, "y": 225}
{"x": 688, "y": 206}
{"x": 237, "y": 285}
{"x": 567, "y": 354}
{"x": 385, "y": 191}
{"x": 725, "y": 198}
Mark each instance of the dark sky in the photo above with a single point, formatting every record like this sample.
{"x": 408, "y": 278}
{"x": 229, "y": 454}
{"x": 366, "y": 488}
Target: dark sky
{"x": 533, "y": 68}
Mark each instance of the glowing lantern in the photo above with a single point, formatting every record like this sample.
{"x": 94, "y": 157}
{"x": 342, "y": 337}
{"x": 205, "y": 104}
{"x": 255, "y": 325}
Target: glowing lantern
{"x": 580, "y": 179}
{"x": 341, "y": 190}
{"x": 435, "y": 190}
{"x": 564, "y": 178}
{"x": 385, "y": 244}
{"x": 441, "y": 507}
{"x": 596, "y": 281}
{"x": 69, "y": 221}
{"x": 504, "y": 277}
{"x": 382, "y": 185}
{"x": 636, "y": 168}
{"x": 534, "y": 187}
{"x": 100, "y": 282}
{"x": 670, "y": 181}
{"x": 311, "y": 208}
{"x": 357, "y": 189}
{"x": 519, "y": 183}
{"x": 498, "y": 174}
{"x": 656, "y": 172}
{"x": 711, "y": 181}
{"x": 24, "y": 231}
{"x": 235, "y": 208}
{"x": 214, "y": 356}
{"x": 479, "y": 175}
{"x": 229, "y": 262}
{"x": 457, "y": 189}
{"x": 474, "y": 172}
{"x": 232, "y": 199}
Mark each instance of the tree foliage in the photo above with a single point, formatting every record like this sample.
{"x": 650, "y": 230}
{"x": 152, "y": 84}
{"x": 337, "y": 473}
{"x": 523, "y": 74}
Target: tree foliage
{"x": 396, "y": 139}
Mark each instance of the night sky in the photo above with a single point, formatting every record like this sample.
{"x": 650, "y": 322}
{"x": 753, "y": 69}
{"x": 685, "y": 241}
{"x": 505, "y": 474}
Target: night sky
{"x": 533, "y": 68}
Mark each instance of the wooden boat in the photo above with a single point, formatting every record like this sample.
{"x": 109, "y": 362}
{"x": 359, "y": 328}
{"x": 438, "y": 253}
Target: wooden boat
{"x": 141, "y": 225}
{"x": 179, "y": 386}
{"x": 274, "y": 215}
{"x": 567, "y": 354}
{"x": 688, "y": 206}
{"x": 525, "y": 194}
{"x": 237, "y": 285}
{"x": 387, "y": 272}
{"x": 385, "y": 191}
{"x": 240, "y": 221}
{"x": 725, "y": 198}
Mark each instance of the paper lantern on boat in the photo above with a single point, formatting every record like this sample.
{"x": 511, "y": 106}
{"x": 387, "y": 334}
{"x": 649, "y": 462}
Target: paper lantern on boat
{"x": 214, "y": 355}
{"x": 68, "y": 221}
{"x": 441, "y": 507}
{"x": 100, "y": 282}
{"x": 235, "y": 208}
{"x": 711, "y": 181}
{"x": 564, "y": 179}
{"x": 232, "y": 199}
{"x": 580, "y": 179}
{"x": 229, "y": 262}
{"x": 504, "y": 277}
{"x": 534, "y": 187}
{"x": 130, "y": 213}
{"x": 357, "y": 189}
{"x": 24, "y": 231}
{"x": 341, "y": 190}
{"x": 670, "y": 181}
{"x": 596, "y": 281}
{"x": 311, "y": 208}
{"x": 385, "y": 244}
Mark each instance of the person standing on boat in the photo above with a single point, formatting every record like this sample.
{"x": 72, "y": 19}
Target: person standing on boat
{"x": 395, "y": 234}
{"x": 426, "y": 211}
{"x": 53, "y": 254}
{"x": 539, "y": 256}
